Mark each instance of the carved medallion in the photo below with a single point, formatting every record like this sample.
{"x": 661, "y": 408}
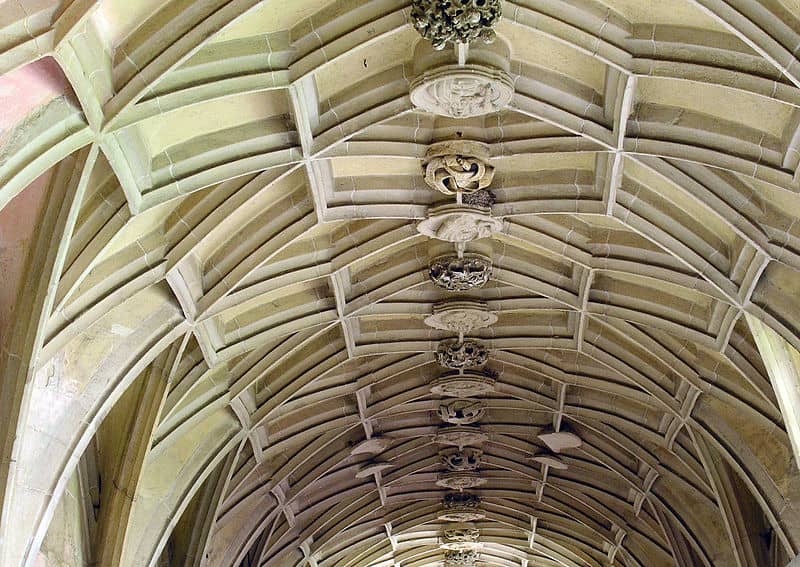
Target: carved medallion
{"x": 460, "y": 537}
{"x": 458, "y": 167}
{"x": 459, "y": 223}
{"x": 460, "y": 558}
{"x": 462, "y": 354}
{"x": 465, "y": 515}
{"x": 467, "y": 384}
{"x": 460, "y": 436}
{"x": 462, "y": 91}
{"x": 459, "y": 460}
{"x": 460, "y": 480}
{"x": 461, "y": 316}
{"x": 463, "y": 21}
{"x": 460, "y": 274}
{"x": 461, "y": 411}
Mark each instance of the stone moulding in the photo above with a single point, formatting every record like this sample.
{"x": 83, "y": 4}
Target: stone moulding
{"x": 458, "y": 166}
{"x": 461, "y": 316}
{"x": 461, "y": 411}
{"x": 457, "y": 355}
{"x": 442, "y": 22}
{"x": 467, "y": 91}
{"x": 463, "y": 385}
{"x": 460, "y": 480}
{"x": 456, "y": 274}
{"x": 459, "y": 223}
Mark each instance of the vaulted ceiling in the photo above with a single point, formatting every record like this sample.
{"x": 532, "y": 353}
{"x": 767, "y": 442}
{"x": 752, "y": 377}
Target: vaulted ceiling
{"x": 224, "y": 323}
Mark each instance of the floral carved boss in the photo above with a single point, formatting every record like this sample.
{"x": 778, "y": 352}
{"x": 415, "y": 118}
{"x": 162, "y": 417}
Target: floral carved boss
{"x": 456, "y": 21}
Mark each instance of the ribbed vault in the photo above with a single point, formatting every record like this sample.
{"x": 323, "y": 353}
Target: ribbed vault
{"x": 220, "y": 290}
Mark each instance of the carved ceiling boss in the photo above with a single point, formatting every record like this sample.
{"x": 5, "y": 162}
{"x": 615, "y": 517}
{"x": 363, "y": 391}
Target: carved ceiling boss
{"x": 466, "y": 459}
{"x": 457, "y": 354}
{"x": 460, "y": 437}
{"x": 461, "y": 411}
{"x": 461, "y": 507}
{"x": 461, "y": 316}
{"x": 453, "y": 274}
{"x": 465, "y": 384}
{"x": 461, "y": 534}
{"x": 464, "y": 558}
{"x": 456, "y": 21}
{"x": 458, "y": 166}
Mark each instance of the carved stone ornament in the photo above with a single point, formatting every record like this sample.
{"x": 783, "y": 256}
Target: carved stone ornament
{"x": 456, "y": 354}
{"x": 460, "y": 480}
{"x": 461, "y": 316}
{"x": 462, "y": 515}
{"x": 461, "y": 501}
{"x": 461, "y": 533}
{"x": 459, "y": 223}
{"x": 459, "y": 460}
{"x": 455, "y": 21}
{"x": 462, "y": 91}
{"x": 464, "y": 558}
{"x": 461, "y": 507}
{"x": 460, "y": 546}
{"x": 460, "y": 537}
{"x": 460, "y": 437}
{"x": 466, "y": 384}
{"x": 460, "y": 274}
{"x": 458, "y": 166}
{"x": 461, "y": 411}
